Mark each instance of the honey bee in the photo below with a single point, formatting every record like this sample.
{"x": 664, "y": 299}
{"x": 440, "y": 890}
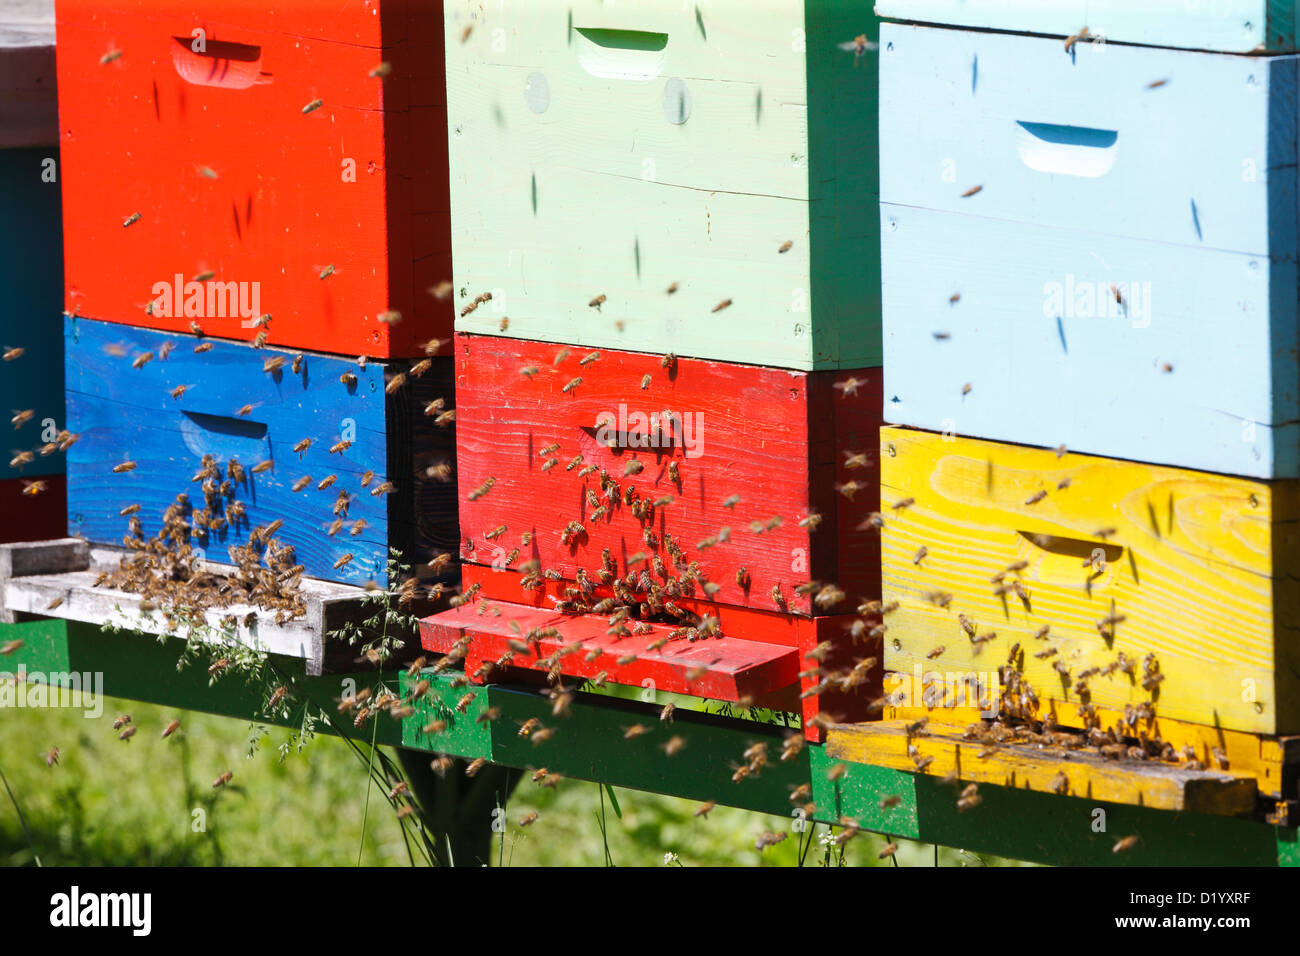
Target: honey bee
{"x": 666, "y": 715}
{"x": 597, "y": 302}
{"x": 589, "y": 359}
{"x": 20, "y": 459}
{"x": 383, "y": 488}
{"x": 573, "y": 383}
{"x": 1125, "y": 844}
{"x": 837, "y": 772}
{"x": 22, "y": 418}
{"x": 531, "y": 818}
{"x": 341, "y": 562}
{"x": 348, "y": 379}
{"x": 202, "y": 347}
{"x": 171, "y": 728}
{"x": 135, "y": 216}
{"x": 560, "y": 356}
{"x": 462, "y": 705}
{"x": 722, "y": 305}
{"x": 1071, "y": 40}
{"x": 10, "y": 354}
{"x": 394, "y": 383}
{"x": 636, "y": 730}
{"x": 124, "y": 467}
{"x": 262, "y": 466}
{"x": 127, "y": 733}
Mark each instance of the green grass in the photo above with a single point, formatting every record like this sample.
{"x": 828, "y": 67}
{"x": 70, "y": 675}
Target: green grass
{"x": 110, "y": 802}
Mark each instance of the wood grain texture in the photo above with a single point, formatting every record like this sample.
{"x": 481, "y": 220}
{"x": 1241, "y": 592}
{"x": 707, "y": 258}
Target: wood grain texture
{"x": 1234, "y": 26}
{"x": 777, "y": 439}
{"x": 284, "y": 203}
{"x": 733, "y": 668}
{"x": 1087, "y": 188}
{"x": 31, "y": 274}
{"x": 1195, "y": 564}
{"x": 1274, "y": 762}
{"x": 125, "y": 413}
{"x": 572, "y": 177}
{"x": 1161, "y": 786}
{"x": 33, "y": 517}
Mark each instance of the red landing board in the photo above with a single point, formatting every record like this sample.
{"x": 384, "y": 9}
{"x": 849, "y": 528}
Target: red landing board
{"x": 191, "y": 114}
{"x": 778, "y": 439}
{"x": 750, "y": 635}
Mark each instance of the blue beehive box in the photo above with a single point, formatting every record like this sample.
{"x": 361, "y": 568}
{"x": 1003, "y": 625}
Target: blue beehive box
{"x": 1095, "y": 247}
{"x": 169, "y": 412}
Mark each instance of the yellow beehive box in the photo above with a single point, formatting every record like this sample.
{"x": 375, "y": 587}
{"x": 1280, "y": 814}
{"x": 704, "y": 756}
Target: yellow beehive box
{"x": 1156, "y": 585}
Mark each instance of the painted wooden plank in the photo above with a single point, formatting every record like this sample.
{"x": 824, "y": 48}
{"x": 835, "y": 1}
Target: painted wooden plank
{"x": 31, "y": 517}
{"x": 125, "y": 413}
{"x": 1187, "y": 566}
{"x": 243, "y": 180}
{"x": 1274, "y": 762}
{"x": 617, "y": 151}
{"x": 1235, "y": 26}
{"x": 779, "y": 440}
{"x": 58, "y": 579}
{"x": 1053, "y": 770}
{"x": 1103, "y": 254}
{"x": 31, "y": 273}
{"x": 29, "y": 109}
{"x": 829, "y": 634}
{"x": 721, "y": 668}
{"x": 1041, "y": 827}
{"x": 140, "y": 667}
{"x": 591, "y": 742}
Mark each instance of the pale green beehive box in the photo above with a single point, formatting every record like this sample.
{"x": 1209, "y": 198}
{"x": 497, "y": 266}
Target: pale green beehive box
{"x": 619, "y": 149}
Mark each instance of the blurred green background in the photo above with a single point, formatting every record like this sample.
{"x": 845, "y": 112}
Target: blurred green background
{"x": 113, "y": 802}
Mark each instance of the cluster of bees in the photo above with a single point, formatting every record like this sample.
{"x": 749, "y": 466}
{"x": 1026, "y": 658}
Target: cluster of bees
{"x": 167, "y": 569}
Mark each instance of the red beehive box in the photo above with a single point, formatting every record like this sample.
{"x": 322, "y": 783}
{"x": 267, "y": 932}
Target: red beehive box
{"x": 259, "y": 145}
{"x": 789, "y": 444}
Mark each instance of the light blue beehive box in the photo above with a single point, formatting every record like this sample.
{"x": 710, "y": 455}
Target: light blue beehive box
{"x": 1167, "y": 175}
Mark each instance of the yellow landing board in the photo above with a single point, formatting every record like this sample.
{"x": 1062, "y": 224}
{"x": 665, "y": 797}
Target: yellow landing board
{"x": 1144, "y": 783}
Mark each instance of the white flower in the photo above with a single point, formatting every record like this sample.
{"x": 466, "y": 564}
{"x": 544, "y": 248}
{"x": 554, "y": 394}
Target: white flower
{"x": 670, "y": 859}
{"x": 826, "y": 839}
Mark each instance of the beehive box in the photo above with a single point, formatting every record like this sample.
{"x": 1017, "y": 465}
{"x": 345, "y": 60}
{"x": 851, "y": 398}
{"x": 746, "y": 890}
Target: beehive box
{"x": 1235, "y": 26}
{"x": 1118, "y": 561}
{"x": 538, "y": 425}
{"x": 31, "y": 380}
{"x": 1073, "y": 260}
{"x": 266, "y": 160}
{"x": 169, "y": 412}
{"x": 626, "y": 151}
